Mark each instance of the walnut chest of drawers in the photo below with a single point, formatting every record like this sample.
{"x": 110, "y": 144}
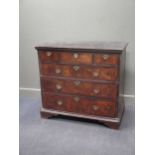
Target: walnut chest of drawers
{"x": 83, "y": 80}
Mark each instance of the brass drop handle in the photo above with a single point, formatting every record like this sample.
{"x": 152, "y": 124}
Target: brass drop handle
{"x": 95, "y": 74}
{"x": 75, "y": 55}
{"x": 95, "y": 107}
{"x": 58, "y": 87}
{"x": 105, "y": 56}
{"x": 59, "y": 102}
{"x": 107, "y": 108}
{"x": 77, "y": 83}
{"x": 48, "y": 54}
{"x": 76, "y": 99}
{"x": 76, "y": 68}
{"x": 96, "y": 91}
{"x": 57, "y": 70}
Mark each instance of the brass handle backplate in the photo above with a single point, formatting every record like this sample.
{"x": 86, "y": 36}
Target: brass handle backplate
{"x": 75, "y": 55}
{"x": 76, "y": 99}
{"x": 59, "y": 102}
{"x": 105, "y": 56}
{"x": 57, "y": 71}
{"x": 48, "y": 54}
{"x": 96, "y": 91}
{"x": 58, "y": 87}
{"x": 76, "y": 68}
{"x": 107, "y": 108}
{"x": 77, "y": 83}
{"x": 95, "y": 74}
{"x": 95, "y": 107}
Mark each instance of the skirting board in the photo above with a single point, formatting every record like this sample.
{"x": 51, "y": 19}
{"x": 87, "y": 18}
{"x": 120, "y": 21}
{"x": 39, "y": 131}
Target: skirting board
{"x": 35, "y": 92}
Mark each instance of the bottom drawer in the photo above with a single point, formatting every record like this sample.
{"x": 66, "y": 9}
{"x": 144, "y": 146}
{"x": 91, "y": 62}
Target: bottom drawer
{"x": 79, "y": 104}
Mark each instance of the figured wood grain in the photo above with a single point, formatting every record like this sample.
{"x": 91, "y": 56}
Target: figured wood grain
{"x": 86, "y": 72}
{"x": 83, "y": 80}
{"x": 43, "y": 58}
{"x": 84, "y": 88}
{"x": 111, "y": 59}
{"x": 82, "y": 58}
{"x": 83, "y": 106}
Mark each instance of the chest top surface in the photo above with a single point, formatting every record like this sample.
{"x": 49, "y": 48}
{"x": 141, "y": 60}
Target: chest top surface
{"x": 111, "y": 47}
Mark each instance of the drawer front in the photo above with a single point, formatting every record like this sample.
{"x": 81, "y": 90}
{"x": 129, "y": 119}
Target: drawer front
{"x": 109, "y": 59}
{"x": 48, "y": 56}
{"x": 100, "y": 73}
{"x": 76, "y": 58}
{"x": 78, "y": 104}
{"x": 79, "y": 87}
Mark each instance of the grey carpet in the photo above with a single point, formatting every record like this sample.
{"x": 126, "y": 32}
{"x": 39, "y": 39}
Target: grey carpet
{"x": 61, "y": 136}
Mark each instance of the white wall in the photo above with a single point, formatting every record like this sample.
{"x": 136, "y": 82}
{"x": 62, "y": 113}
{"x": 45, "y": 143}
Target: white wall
{"x": 73, "y": 20}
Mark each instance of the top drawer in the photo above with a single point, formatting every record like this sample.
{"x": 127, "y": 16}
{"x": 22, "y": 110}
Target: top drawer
{"x": 112, "y": 59}
{"x": 78, "y": 58}
{"x": 65, "y": 57}
{"x": 48, "y": 56}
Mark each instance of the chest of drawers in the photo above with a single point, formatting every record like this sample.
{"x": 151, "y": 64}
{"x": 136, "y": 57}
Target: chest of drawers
{"x": 84, "y": 80}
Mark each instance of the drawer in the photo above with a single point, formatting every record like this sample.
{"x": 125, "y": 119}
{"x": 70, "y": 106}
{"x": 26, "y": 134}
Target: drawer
{"x": 48, "y": 56}
{"x": 109, "y": 59}
{"x": 77, "y": 71}
{"x": 76, "y": 58}
{"x": 79, "y": 104}
{"x": 79, "y": 87}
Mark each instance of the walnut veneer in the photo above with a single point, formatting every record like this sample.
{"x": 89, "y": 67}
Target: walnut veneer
{"x": 83, "y": 80}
